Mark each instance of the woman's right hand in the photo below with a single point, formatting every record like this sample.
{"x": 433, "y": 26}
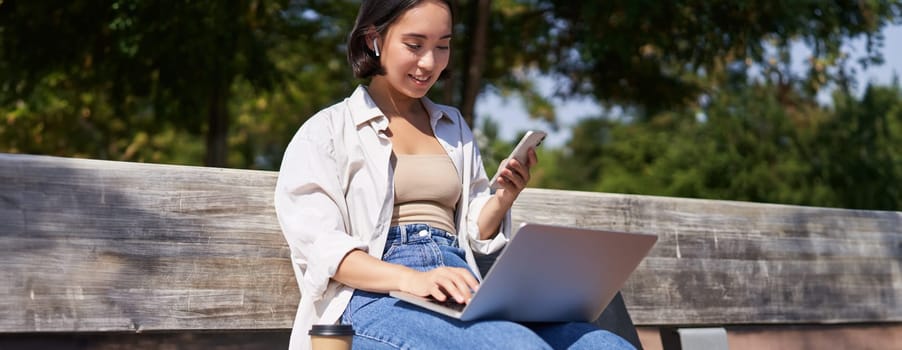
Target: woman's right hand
{"x": 440, "y": 283}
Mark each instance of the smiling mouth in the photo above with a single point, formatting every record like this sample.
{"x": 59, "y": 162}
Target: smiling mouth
{"x": 419, "y": 80}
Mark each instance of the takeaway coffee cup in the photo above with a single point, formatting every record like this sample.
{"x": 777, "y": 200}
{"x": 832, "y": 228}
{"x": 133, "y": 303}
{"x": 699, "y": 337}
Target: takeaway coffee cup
{"x": 331, "y": 336}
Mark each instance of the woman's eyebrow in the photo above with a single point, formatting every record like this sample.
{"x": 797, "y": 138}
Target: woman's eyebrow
{"x": 423, "y": 36}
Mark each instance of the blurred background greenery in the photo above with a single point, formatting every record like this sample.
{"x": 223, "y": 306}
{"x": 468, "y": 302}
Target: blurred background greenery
{"x": 708, "y": 101}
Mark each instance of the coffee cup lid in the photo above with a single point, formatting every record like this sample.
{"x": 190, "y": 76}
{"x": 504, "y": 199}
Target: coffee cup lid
{"x": 331, "y": 330}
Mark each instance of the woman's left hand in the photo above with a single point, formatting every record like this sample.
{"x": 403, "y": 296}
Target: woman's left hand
{"x": 514, "y": 178}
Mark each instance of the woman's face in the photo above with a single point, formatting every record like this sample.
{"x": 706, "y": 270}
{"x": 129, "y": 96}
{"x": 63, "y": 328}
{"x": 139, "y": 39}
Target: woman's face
{"x": 417, "y": 48}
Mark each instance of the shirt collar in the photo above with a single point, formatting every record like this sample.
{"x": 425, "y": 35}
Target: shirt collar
{"x": 436, "y": 112}
{"x": 364, "y": 110}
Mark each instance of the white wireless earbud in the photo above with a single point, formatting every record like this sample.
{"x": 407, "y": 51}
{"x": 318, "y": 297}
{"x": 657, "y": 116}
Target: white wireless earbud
{"x": 376, "y": 47}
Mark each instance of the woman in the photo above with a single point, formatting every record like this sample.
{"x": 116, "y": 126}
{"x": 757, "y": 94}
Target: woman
{"x": 386, "y": 191}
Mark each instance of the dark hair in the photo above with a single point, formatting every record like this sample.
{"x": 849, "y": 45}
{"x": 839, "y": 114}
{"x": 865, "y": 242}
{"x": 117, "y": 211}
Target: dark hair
{"x": 380, "y": 14}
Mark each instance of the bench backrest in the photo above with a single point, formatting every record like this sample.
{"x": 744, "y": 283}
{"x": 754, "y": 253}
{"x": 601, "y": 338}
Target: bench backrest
{"x": 725, "y": 262}
{"x": 88, "y": 245}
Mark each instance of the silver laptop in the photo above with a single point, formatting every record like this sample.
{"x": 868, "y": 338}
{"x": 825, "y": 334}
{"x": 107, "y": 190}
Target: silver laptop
{"x": 550, "y": 274}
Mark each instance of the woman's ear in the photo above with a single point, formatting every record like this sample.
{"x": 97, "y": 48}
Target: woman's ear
{"x": 373, "y": 40}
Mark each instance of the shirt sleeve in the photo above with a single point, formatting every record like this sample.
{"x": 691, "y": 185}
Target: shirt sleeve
{"x": 480, "y": 194}
{"x": 311, "y": 208}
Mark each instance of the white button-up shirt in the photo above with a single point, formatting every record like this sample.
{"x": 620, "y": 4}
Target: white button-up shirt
{"x": 335, "y": 193}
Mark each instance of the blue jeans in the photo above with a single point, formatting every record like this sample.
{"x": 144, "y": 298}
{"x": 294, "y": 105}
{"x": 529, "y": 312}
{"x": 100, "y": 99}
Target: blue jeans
{"x": 383, "y": 322}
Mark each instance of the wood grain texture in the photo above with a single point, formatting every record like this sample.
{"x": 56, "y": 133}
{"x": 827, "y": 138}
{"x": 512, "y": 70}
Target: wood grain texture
{"x": 89, "y": 245}
{"x": 723, "y": 262}
{"x": 110, "y": 246}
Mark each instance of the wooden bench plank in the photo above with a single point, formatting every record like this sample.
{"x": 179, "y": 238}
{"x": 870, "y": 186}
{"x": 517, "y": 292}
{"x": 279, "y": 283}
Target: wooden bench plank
{"x": 110, "y": 246}
{"x": 93, "y": 245}
{"x": 724, "y": 262}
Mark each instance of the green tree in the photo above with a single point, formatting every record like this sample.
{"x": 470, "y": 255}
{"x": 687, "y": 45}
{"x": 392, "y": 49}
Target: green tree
{"x": 752, "y": 141}
{"x": 157, "y": 68}
{"x": 857, "y": 152}
{"x": 662, "y": 55}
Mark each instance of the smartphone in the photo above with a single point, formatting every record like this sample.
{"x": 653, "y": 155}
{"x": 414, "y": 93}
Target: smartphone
{"x": 531, "y": 139}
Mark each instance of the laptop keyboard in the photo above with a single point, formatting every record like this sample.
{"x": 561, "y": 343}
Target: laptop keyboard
{"x": 449, "y": 303}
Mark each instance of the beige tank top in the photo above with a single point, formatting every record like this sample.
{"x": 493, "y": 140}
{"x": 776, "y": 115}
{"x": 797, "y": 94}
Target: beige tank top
{"x": 427, "y": 189}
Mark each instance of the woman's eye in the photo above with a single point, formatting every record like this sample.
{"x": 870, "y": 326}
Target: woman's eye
{"x": 413, "y": 46}
{"x": 443, "y": 47}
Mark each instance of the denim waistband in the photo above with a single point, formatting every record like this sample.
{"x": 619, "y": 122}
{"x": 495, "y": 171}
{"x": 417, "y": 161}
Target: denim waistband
{"x": 413, "y": 233}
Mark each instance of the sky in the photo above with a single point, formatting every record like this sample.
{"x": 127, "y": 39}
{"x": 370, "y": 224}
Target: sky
{"x": 512, "y": 118}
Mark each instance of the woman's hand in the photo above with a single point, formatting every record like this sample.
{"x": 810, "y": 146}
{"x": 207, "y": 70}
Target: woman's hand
{"x": 440, "y": 283}
{"x": 514, "y": 178}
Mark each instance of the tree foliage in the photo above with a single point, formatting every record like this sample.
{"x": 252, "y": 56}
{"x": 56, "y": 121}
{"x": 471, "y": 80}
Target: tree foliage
{"x": 748, "y": 144}
{"x": 662, "y": 55}
{"x": 140, "y": 70}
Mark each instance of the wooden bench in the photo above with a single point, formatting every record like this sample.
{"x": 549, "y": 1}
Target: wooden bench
{"x": 100, "y": 254}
